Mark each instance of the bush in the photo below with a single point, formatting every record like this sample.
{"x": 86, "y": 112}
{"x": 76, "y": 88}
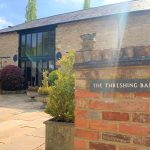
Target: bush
{"x": 12, "y": 79}
{"x": 0, "y": 80}
{"x": 53, "y": 76}
{"x": 44, "y": 89}
{"x": 0, "y": 75}
{"x": 61, "y": 99}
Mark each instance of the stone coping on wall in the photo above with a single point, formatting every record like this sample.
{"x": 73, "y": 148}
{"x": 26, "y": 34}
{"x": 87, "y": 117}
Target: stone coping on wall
{"x": 130, "y": 56}
{"x": 102, "y": 64}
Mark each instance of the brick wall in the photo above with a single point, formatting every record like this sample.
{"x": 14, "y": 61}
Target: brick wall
{"x": 111, "y": 32}
{"x": 8, "y": 48}
{"x": 111, "y": 121}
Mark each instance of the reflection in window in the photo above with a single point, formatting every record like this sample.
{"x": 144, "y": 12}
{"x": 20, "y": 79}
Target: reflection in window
{"x": 33, "y": 73}
{"x": 33, "y": 44}
{"x": 39, "y": 44}
{"x": 23, "y": 45}
{"x": 23, "y": 68}
{"x": 28, "y": 44}
{"x": 44, "y": 65}
{"x": 51, "y": 65}
{"x": 45, "y": 43}
{"x": 40, "y": 72}
{"x": 52, "y": 43}
{"x": 28, "y": 72}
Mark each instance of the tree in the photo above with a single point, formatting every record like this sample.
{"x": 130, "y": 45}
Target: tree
{"x": 61, "y": 98}
{"x": 31, "y": 10}
{"x": 87, "y": 4}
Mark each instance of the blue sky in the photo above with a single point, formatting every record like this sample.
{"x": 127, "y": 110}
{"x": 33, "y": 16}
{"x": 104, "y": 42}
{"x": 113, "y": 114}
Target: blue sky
{"x": 12, "y": 12}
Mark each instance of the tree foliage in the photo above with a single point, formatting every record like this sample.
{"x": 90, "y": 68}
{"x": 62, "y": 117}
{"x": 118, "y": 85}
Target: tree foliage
{"x": 87, "y": 4}
{"x": 31, "y": 10}
{"x": 53, "y": 76}
{"x": 44, "y": 89}
{"x": 61, "y": 99}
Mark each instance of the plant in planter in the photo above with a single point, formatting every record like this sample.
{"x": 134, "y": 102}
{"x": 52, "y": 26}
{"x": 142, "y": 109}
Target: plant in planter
{"x": 53, "y": 76}
{"x": 44, "y": 90}
{"x": 32, "y": 92}
{"x": 59, "y": 130}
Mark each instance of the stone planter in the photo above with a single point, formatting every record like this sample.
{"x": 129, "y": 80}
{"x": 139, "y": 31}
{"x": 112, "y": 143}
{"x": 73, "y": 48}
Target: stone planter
{"x": 87, "y": 55}
{"x": 96, "y": 55}
{"x": 107, "y": 55}
{"x": 117, "y": 54}
{"x": 59, "y": 136}
{"x": 129, "y": 53}
{"x": 140, "y": 52}
{"x": 79, "y": 57}
{"x": 32, "y": 94}
{"x": 42, "y": 98}
{"x": 147, "y": 49}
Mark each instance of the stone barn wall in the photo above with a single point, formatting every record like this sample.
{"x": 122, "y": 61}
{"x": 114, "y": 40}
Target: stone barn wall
{"x": 112, "y": 32}
{"x": 8, "y": 48}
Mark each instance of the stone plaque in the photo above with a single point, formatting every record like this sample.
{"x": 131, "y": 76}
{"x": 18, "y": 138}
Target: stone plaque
{"x": 121, "y": 85}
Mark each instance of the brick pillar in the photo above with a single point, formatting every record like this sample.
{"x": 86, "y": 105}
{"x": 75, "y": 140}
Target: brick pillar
{"x": 111, "y": 120}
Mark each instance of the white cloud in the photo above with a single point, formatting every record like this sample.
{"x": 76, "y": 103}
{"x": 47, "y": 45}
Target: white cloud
{"x": 4, "y": 23}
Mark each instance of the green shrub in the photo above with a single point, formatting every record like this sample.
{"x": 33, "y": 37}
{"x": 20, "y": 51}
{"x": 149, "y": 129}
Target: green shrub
{"x": 53, "y": 77}
{"x": 12, "y": 79}
{"x": 0, "y": 74}
{"x": 61, "y": 99}
{"x": 44, "y": 89}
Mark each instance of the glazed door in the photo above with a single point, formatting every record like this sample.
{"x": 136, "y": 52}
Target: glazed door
{"x": 39, "y": 73}
{"x": 28, "y": 72}
{"x": 32, "y": 70}
{"x": 34, "y": 76}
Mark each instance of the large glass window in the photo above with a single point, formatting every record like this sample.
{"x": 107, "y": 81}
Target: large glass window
{"x": 46, "y": 43}
{"x": 23, "y": 68}
{"x": 28, "y": 45}
{"x": 37, "y": 54}
{"x": 39, "y": 44}
{"x": 33, "y": 52}
{"x": 23, "y": 45}
{"x": 52, "y": 43}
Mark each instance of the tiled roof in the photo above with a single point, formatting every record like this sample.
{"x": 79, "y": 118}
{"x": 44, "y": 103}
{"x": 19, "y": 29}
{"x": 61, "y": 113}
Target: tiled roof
{"x": 124, "y": 7}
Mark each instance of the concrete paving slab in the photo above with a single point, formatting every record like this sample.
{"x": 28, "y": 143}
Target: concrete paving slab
{"x": 21, "y": 123}
{"x": 22, "y": 143}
